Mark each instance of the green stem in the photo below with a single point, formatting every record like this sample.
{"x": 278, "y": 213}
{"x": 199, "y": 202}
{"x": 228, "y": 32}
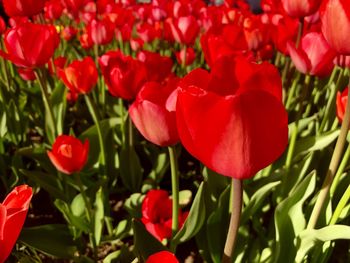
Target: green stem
{"x": 337, "y": 154}
{"x": 342, "y": 203}
{"x": 93, "y": 111}
{"x": 340, "y": 170}
{"x": 292, "y": 90}
{"x": 48, "y": 107}
{"x": 237, "y": 196}
{"x": 175, "y": 189}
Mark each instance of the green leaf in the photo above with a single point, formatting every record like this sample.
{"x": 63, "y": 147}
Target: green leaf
{"x": 217, "y": 226}
{"x": 92, "y": 136}
{"x": 290, "y": 220}
{"x": 78, "y": 206}
{"x": 59, "y": 104}
{"x": 257, "y": 201}
{"x": 195, "y": 219}
{"x": 185, "y": 197}
{"x": 133, "y": 205}
{"x": 99, "y": 216}
{"x": 54, "y": 240}
{"x": 46, "y": 181}
{"x": 310, "y": 237}
{"x": 130, "y": 169}
{"x": 145, "y": 243}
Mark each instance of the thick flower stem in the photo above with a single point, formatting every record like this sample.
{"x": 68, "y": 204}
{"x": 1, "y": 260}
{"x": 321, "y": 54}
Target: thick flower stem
{"x": 175, "y": 189}
{"x": 237, "y": 188}
{"x": 93, "y": 112}
{"x": 337, "y": 154}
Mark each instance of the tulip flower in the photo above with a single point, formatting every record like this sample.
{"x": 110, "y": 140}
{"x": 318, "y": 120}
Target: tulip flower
{"x": 153, "y": 113}
{"x": 162, "y": 257}
{"x": 342, "y": 100}
{"x": 157, "y": 214}
{"x": 300, "y": 8}
{"x": 53, "y": 9}
{"x": 314, "y": 56}
{"x": 233, "y": 119}
{"x": 13, "y": 212}
{"x": 80, "y": 76}
{"x": 335, "y": 18}
{"x": 30, "y": 45}
{"x": 23, "y": 7}
{"x": 68, "y": 154}
{"x": 123, "y": 75}
{"x": 158, "y": 67}
{"x": 101, "y": 32}
{"x": 187, "y": 55}
{"x": 184, "y": 29}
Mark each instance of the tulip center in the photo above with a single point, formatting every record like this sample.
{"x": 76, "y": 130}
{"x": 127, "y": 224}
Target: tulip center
{"x": 66, "y": 150}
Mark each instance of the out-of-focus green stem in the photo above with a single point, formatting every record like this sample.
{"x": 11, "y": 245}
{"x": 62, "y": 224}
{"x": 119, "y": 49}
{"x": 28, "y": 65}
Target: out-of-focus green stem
{"x": 337, "y": 154}
{"x": 340, "y": 170}
{"x": 175, "y": 189}
{"x": 342, "y": 203}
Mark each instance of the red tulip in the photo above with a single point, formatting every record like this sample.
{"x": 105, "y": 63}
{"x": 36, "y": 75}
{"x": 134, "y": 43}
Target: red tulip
{"x": 23, "y": 7}
{"x": 233, "y": 119}
{"x": 53, "y": 9}
{"x": 342, "y": 100}
{"x": 2, "y": 26}
{"x": 162, "y": 257}
{"x": 158, "y": 67}
{"x": 123, "y": 75}
{"x": 187, "y": 55}
{"x": 300, "y": 8}
{"x": 101, "y": 32}
{"x": 335, "y": 18}
{"x": 68, "y": 154}
{"x": 13, "y": 212}
{"x": 153, "y": 113}
{"x": 314, "y": 56}
{"x": 68, "y": 33}
{"x": 184, "y": 29}
{"x": 80, "y": 76}
{"x": 26, "y": 74}
{"x": 157, "y": 213}
{"x": 30, "y": 45}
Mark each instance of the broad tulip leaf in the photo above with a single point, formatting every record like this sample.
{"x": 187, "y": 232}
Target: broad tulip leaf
{"x": 217, "y": 226}
{"x": 302, "y": 124}
{"x": 99, "y": 216}
{"x": 130, "y": 169}
{"x": 54, "y": 240}
{"x": 133, "y": 205}
{"x": 290, "y": 220}
{"x": 78, "y": 206}
{"x": 46, "y": 181}
{"x": 310, "y": 237}
{"x": 59, "y": 104}
{"x": 195, "y": 219}
{"x": 145, "y": 243}
{"x": 257, "y": 201}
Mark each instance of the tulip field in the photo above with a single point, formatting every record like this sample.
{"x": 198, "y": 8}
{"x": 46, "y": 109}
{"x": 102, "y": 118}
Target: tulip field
{"x": 165, "y": 131}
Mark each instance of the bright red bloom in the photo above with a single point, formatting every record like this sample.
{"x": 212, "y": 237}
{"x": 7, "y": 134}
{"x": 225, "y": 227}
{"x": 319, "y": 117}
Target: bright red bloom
{"x": 30, "y": 45}
{"x": 233, "y": 119}
{"x": 53, "y": 9}
{"x": 68, "y": 154}
{"x": 335, "y": 18}
{"x": 69, "y": 32}
{"x": 13, "y": 212}
{"x": 101, "y": 32}
{"x": 157, "y": 214}
{"x": 300, "y": 8}
{"x": 314, "y": 56}
{"x": 74, "y": 6}
{"x": 23, "y": 7}
{"x": 58, "y": 64}
{"x": 162, "y": 257}
{"x": 80, "y": 76}
{"x": 158, "y": 67}
{"x": 187, "y": 55}
{"x": 123, "y": 75}
{"x": 26, "y": 74}
{"x": 2, "y": 25}
{"x": 153, "y": 112}
{"x": 184, "y": 29}
{"x": 342, "y": 100}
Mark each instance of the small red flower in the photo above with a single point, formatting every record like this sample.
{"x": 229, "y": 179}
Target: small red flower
{"x": 80, "y": 76}
{"x": 184, "y": 29}
{"x": 30, "y": 45}
{"x": 13, "y": 212}
{"x": 162, "y": 257}
{"x": 157, "y": 214}
{"x": 342, "y": 100}
{"x": 68, "y": 154}
{"x": 158, "y": 67}
{"x": 187, "y": 55}
{"x": 101, "y": 32}
{"x": 300, "y": 8}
